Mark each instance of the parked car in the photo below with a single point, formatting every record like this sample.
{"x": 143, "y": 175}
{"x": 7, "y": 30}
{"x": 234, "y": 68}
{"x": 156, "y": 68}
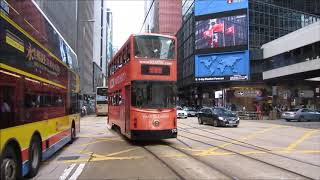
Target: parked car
{"x": 218, "y": 117}
{"x": 306, "y": 115}
{"x": 181, "y": 113}
{"x": 191, "y": 111}
{"x": 289, "y": 115}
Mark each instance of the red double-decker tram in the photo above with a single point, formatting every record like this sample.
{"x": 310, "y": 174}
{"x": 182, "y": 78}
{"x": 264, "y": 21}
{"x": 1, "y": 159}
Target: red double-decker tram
{"x": 142, "y": 87}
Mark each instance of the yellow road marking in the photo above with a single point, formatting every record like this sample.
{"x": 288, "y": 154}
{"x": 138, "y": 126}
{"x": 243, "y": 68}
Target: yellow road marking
{"x": 250, "y": 136}
{"x": 306, "y": 135}
{"x": 100, "y": 140}
{"x": 124, "y": 151}
{"x": 189, "y": 149}
{"x": 215, "y": 153}
{"x": 97, "y": 157}
{"x": 104, "y": 159}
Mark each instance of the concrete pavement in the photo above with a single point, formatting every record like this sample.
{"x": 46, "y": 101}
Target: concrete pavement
{"x": 255, "y": 150}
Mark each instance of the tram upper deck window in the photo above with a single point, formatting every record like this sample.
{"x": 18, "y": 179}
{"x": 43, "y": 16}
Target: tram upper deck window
{"x": 154, "y": 47}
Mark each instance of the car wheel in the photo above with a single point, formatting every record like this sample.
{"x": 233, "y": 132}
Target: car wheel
{"x": 200, "y": 121}
{"x": 215, "y": 123}
{"x": 235, "y": 126}
{"x": 288, "y": 120}
{"x": 35, "y": 156}
{"x": 301, "y": 119}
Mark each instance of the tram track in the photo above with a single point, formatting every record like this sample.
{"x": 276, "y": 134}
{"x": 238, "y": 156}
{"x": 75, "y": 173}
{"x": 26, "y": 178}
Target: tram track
{"x": 164, "y": 163}
{"x": 240, "y": 154}
{"x": 242, "y": 144}
{"x": 225, "y": 174}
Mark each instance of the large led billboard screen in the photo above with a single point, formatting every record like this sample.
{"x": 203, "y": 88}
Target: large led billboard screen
{"x": 222, "y": 67}
{"x": 222, "y": 32}
{"x": 203, "y": 7}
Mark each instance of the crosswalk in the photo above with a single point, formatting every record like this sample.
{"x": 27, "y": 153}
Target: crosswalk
{"x": 71, "y": 173}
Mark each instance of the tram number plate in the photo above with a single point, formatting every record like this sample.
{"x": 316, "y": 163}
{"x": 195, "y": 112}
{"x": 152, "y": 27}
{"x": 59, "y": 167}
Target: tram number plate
{"x": 174, "y": 130}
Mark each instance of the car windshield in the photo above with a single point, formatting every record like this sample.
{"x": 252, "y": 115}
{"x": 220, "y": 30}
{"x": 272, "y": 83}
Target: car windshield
{"x": 222, "y": 112}
{"x": 154, "y": 47}
{"x": 191, "y": 109}
{"x": 294, "y": 110}
{"x": 153, "y": 94}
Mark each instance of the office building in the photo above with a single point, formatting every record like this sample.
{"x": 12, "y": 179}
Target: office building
{"x": 162, "y": 16}
{"x": 109, "y": 25}
{"x": 219, "y": 47}
{"x": 292, "y": 67}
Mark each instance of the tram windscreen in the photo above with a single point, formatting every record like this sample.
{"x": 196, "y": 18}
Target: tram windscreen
{"x": 153, "y": 94}
{"x": 154, "y": 47}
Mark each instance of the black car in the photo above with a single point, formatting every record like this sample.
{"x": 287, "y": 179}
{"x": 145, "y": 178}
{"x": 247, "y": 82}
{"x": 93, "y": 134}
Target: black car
{"x": 218, "y": 117}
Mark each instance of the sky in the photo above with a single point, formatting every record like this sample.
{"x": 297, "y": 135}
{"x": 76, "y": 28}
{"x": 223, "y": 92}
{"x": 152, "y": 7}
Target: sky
{"x": 128, "y": 17}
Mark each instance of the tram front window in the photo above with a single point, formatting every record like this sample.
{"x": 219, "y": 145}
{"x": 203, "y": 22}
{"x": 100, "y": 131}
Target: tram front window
{"x": 153, "y": 94}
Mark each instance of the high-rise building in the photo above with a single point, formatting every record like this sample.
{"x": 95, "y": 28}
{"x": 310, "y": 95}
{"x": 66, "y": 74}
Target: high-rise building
{"x": 99, "y": 35}
{"x": 109, "y": 25}
{"x": 63, "y": 14}
{"x": 91, "y": 44}
{"x": 216, "y": 54}
{"x": 85, "y": 45}
{"x": 162, "y": 16}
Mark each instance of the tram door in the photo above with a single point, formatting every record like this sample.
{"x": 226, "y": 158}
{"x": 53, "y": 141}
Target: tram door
{"x": 127, "y": 104}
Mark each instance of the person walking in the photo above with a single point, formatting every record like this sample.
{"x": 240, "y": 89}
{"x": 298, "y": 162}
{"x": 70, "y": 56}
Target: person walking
{"x": 259, "y": 112}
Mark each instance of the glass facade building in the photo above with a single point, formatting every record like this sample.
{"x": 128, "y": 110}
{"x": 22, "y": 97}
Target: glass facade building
{"x": 162, "y": 16}
{"x": 268, "y": 20}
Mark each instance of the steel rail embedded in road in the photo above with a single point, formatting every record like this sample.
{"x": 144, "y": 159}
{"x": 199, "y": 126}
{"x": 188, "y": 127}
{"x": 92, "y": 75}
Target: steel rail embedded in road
{"x": 248, "y": 157}
{"x": 227, "y": 174}
{"x": 164, "y": 163}
{"x": 254, "y": 147}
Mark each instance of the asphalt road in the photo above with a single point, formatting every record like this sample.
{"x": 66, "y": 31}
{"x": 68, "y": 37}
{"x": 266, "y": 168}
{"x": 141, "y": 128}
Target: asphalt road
{"x": 257, "y": 149}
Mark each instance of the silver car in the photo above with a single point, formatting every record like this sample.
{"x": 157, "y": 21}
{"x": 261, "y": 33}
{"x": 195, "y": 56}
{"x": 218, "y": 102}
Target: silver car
{"x": 306, "y": 115}
{"x": 289, "y": 115}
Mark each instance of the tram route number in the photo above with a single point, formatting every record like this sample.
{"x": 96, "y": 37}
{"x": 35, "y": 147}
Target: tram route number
{"x": 174, "y": 130}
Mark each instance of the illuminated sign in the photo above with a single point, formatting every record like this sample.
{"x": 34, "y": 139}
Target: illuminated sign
{"x": 203, "y": 7}
{"x": 155, "y": 69}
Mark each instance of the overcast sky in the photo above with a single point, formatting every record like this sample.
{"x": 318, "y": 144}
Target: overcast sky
{"x": 127, "y": 19}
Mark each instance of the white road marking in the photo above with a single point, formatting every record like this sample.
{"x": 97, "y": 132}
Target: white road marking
{"x": 77, "y": 172}
{"x": 66, "y": 172}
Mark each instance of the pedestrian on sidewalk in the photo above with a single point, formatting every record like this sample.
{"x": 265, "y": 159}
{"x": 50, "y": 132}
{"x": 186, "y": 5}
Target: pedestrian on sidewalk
{"x": 259, "y": 112}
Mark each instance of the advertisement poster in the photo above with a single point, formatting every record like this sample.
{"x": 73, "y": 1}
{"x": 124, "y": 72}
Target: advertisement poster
{"x": 222, "y": 67}
{"x": 222, "y": 32}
